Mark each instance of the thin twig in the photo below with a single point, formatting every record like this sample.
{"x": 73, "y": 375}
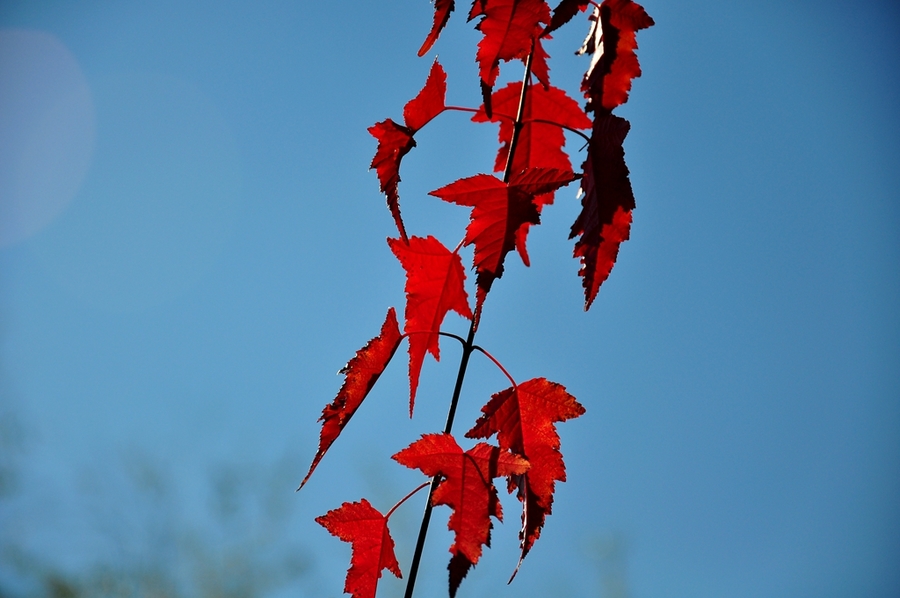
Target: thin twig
{"x": 426, "y": 516}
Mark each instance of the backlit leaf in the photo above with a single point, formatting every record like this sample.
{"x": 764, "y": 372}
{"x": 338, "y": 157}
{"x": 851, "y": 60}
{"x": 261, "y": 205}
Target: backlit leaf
{"x": 498, "y": 211}
{"x": 434, "y": 285}
{"x": 366, "y": 529}
{"x": 360, "y": 373}
{"x": 524, "y": 418}
{"x": 395, "y": 141}
{"x": 606, "y": 204}
{"x": 467, "y": 488}
{"x": 612, "y": 42}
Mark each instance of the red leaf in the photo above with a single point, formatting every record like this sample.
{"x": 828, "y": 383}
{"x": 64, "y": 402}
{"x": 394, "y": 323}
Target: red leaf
{"x": 499, "y": 210}
{"x": 606, "y": 205}
{"x": 372, "y": 546}
{"x": 434, "y": 285}
{"x": 612, "y": 41}
{"x": 442, "y": 10}
{"x": 563, "y": 13}
{"x": 523, "y": 418}
{"x": 395, "y": 141}
{"x": 467, "y": 488}
{"x": 429, "y": 102}
{"x": 509, "y": 28}
{"x": 361, "y": 374}
{"x": 540, "y": 143}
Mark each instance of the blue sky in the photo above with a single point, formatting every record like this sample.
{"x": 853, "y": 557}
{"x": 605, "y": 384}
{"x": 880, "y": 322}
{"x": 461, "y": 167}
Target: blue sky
{"x": 191, "y": 245}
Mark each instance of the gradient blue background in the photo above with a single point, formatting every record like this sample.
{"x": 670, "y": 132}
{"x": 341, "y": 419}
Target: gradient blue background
{"x": 192, "y": 245}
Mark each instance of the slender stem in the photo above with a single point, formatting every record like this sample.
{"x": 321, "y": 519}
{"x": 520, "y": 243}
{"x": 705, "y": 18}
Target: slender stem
{"x": 461, "y": 340}
{"x": 517, "y": 126}
{"x": 496, "y": 363}
{"x": 468, "y": 347}
{"x": 524, "y": 120}
{"x": 461, "y": 109}
{"x": 404, "y": 499}
{"x": 556, "y": 124}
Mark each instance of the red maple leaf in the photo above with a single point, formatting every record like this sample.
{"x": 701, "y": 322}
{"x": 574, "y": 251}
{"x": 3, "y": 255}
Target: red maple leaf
{"x": 442, "y": 10}
{"x": 606, "y": 204}
{"x": 434, "y": 285}
{"x": 499, "y": 211}
{"x": 467, "y": 488}
{"x": 510, "y": 28}
{"x": 395, "y": 141}
{"x": 361, "y": 374}
{"x": 540, "y": 141}
{"x": 563, "y": 13}
{"x": 612, "y": 41}
{"x": 524, "y": 417}
{"x": 366, "y": 529}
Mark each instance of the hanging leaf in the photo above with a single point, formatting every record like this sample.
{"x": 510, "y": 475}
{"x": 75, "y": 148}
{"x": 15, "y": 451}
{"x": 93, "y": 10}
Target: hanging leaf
{"x": 434, "y": 286}
{"x": 510, "y": 28}
{"x": 541, "y": 138}
{"x": 498, "y": 211}
{"x": 612, "y": 42}
{"x": 395, "y": 141}
{"x": 524, "y": 418}
{"x": 366, "y": 529}
{"x": 563, "y": 13}
{"x": 606, "y": 204}
{"x": 442, "y": 10}
{"x": 360, "y": 373}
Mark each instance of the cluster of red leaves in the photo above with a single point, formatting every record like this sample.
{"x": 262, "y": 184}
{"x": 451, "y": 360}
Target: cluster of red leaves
{"x": 466, "y": 487}
{"x": 523, "y": 418}
{"x": 532, "y": 120}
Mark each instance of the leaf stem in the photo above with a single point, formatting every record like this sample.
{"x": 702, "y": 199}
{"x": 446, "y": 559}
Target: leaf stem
{"x": 461, "y": 109}
{"x": 468, "y": 347}
{"x": 496, "y": 363}
{"x": 524, "y": 120}
{"x": 461, "y": 340}
{"x": 404, "y": 499}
